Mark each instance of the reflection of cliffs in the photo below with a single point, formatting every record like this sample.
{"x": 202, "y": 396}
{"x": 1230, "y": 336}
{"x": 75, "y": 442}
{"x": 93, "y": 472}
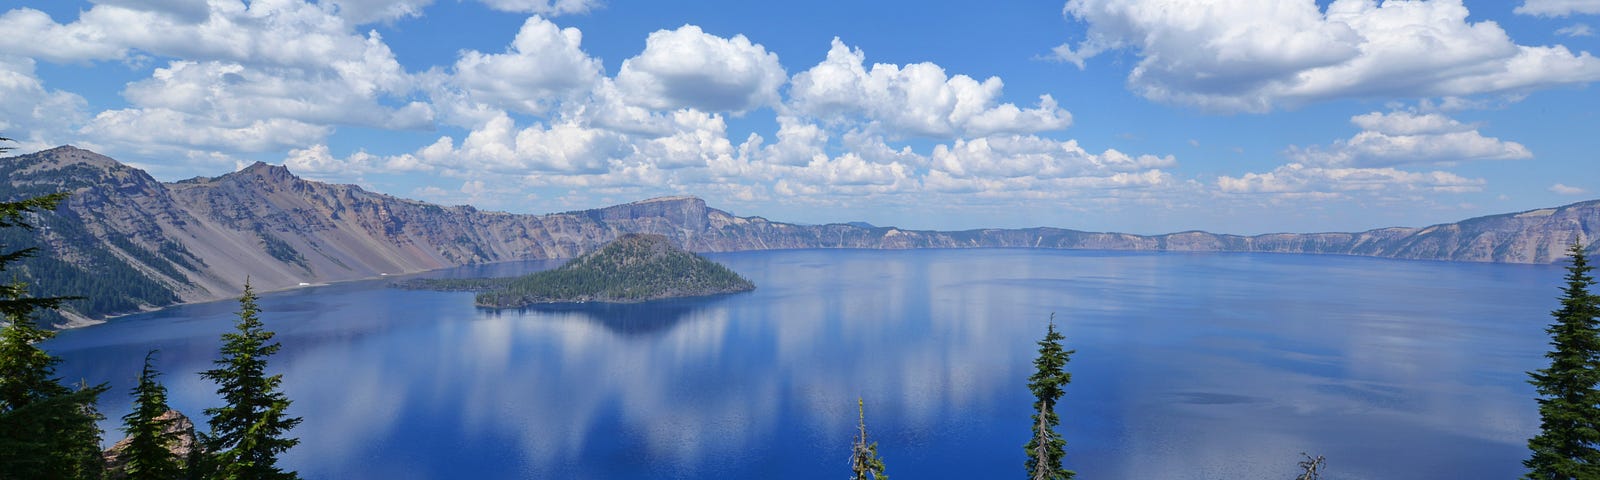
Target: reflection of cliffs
{"x": 127, "y": 241}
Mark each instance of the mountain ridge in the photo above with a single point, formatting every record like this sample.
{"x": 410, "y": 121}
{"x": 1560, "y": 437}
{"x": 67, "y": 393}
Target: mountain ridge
{"x": 197, "y": 239}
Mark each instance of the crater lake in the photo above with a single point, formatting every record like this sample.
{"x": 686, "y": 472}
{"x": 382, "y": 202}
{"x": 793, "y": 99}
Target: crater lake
{"x": 1186, "y": 366}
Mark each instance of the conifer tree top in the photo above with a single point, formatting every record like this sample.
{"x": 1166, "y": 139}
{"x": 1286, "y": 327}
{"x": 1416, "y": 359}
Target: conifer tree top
{"x": 1568, "y": 443}
{"x": 251, "y": 429}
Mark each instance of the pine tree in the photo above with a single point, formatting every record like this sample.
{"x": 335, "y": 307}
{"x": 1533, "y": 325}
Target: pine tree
{"x": 1311, "y": 467}
{"x": 1045, "y": 449}
{"x": 150, "y": 440}
{"x": 1569, "y": 402}
{"x": 47, "y": 430}
{"x": 864, "y": 461}
{"x": 249, "y": 432}
{"x": 14, "y": 298}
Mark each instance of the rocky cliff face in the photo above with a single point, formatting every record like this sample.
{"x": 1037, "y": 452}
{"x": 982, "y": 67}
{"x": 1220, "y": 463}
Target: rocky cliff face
{"x": 179, "y": 429}
{"x": 129, "y": 242}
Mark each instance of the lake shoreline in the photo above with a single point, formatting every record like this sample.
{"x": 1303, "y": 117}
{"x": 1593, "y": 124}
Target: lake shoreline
{"x": 90, "y": 322}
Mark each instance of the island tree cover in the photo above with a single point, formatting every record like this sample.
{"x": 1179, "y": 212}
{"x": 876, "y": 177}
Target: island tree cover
{"x": 1569, "y": 401}
{"x": 150, "y": 437}
{"x": 632, "y": 268}
{"x": 249, "y": 432}
{"x": 1045, "y": 449}
{"x": 864, "y": 461}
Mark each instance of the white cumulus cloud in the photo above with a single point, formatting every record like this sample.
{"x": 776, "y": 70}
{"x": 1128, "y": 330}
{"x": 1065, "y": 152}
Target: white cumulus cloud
{"x": 1260, "y": 55}
{"x": 1576, "y": 30}
{"x": 1398, "y": 138}
{"x": 799, "y": 142}
{"x": 193, "y": 11}
{"x": 1299, "y": 179}
{"x": 688, "y": 68}
{"x": 317, "y": 161}
{"x": 541, "y": 115}
{"x": 1030, "y": 156}
{"x": 545, "y": 63}
{"x": 1407, "y": 123}
{"x": 698, "y": 139}
{"x": 361, "y": 12}
{"x": 847, "y": 170}
{"x": 31, "y": 114}
{"x": 561, "y": 147}
{"x": 149, "y": 131}
{"x": 237, "y": 78}
{"x": 1030, "y": 187}
{"x": 543, "y": 7}
{"x": 1562, "y": 189}
{"x": 913, "y": 100}
{"x": 223, "y": 91}
{"x": 1558, "y": 8}
{"x": 278, "y": 33}
{"x": 569, "y": 151}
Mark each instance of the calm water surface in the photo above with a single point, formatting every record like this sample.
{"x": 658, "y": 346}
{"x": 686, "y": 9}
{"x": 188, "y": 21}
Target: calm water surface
{"x": 1188, "y": 366}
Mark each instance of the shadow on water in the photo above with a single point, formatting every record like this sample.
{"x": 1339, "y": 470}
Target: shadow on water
{"x": 634, "y": 320}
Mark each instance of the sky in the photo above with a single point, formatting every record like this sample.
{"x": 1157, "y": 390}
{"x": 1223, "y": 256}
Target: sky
{"x": 1140, "y": 116}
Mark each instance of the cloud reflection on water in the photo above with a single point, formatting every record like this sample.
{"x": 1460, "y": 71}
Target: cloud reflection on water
{"x": 1191, "y": 366}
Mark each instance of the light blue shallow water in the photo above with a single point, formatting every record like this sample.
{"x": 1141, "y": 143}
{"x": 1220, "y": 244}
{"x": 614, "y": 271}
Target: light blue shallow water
{"x": 1187, "y": 366}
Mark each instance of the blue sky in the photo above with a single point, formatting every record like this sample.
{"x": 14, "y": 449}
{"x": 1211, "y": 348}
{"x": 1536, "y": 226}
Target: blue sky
{"x": 1143, "y": 116}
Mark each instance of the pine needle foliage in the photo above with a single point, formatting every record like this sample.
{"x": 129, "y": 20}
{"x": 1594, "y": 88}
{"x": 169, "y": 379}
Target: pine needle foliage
{"x": 1311, "y": 467}
{"x": 251, "y": 429}
{"x": 150, "y": 440}
{"x": 1569, "y": 401}
{"x": 15, "y": 300}
{"x": 1045, "y": 449}
{"x": 47, "y": 430}
{"x": 864, "y": 461}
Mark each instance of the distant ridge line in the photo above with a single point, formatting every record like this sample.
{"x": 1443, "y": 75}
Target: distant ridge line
{"x": 196, "y": 239}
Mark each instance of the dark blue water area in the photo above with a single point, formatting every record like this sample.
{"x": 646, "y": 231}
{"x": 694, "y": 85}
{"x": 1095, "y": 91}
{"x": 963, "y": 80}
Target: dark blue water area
{"x": 1187, "y": 366}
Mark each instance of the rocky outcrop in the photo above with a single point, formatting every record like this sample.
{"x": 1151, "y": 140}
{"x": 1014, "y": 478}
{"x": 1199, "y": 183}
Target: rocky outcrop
{"x": 180, "y": 430}
{"x": 129, "y": 242}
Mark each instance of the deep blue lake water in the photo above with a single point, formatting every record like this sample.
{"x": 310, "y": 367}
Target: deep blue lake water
{"x": 1188, "y": 366}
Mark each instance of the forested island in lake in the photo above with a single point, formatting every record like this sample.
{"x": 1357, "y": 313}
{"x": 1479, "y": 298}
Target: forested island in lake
{"x": 633, "y": 268}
